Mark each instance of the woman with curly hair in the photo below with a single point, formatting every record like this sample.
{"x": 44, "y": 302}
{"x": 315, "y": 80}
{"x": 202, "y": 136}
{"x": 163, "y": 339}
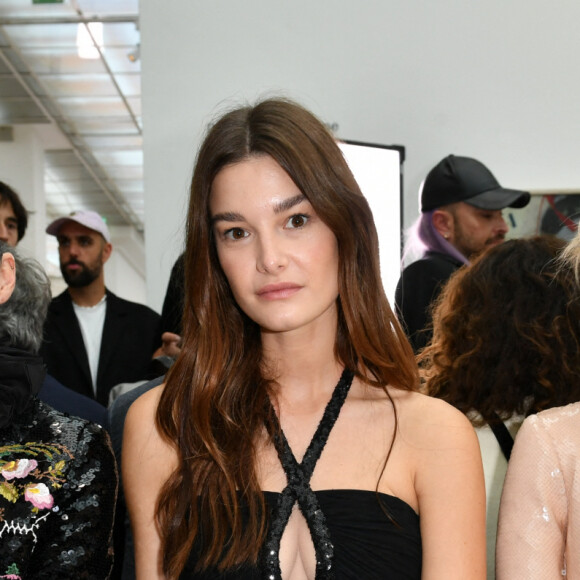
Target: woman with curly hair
{"x": 539, "y": 515}
{"x": 506, "y": 343}
{"x": 249, "y": 462}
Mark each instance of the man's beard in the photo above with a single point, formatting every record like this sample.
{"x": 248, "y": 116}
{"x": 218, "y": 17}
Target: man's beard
{"x": 80, "y": 278}
{"x": 465, "y": 246}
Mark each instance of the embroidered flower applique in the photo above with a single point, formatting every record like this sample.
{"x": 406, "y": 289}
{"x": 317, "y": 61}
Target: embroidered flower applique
{"x": 34, "y": 480}
{"x": 39, "y": 496}
{"x": 19, "y": 468}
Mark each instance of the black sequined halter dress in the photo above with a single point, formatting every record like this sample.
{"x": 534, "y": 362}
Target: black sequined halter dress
{"x": 352, "y": 535}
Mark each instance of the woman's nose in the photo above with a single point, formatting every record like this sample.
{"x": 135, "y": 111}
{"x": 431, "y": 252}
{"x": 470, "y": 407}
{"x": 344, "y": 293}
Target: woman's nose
{"x": 271, "y": 254}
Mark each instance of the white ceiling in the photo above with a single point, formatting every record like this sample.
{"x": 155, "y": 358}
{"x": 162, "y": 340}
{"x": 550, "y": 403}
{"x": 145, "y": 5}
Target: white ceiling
{"x": 94, "y": 103}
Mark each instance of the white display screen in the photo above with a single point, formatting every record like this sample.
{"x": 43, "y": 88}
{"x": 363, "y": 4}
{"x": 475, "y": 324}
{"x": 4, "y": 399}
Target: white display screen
{"x": 377, "y": 170}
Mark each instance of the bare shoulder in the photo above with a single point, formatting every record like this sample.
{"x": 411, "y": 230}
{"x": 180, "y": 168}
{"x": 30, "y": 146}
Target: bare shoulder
{"x": 146, "y": 404}
{"x": 422, "y": 407}
{"x": 141, "y": 436}
{"x": 426, "y": 422}
{"x": 441, "y": 451}
{"x": 147, "y": 463}
{"x": 141, "y": 415}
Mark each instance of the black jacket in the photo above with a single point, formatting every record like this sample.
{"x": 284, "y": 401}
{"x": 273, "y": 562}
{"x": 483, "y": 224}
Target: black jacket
{"x": 131, "y": 333}
{"x": 417, "y": 289}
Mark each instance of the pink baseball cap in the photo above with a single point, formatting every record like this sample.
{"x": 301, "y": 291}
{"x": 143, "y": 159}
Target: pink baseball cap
{"x": 89, "y": 219}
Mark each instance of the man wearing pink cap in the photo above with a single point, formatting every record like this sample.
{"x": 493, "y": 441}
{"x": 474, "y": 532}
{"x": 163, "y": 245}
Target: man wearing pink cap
{"x": 94, "y": 340}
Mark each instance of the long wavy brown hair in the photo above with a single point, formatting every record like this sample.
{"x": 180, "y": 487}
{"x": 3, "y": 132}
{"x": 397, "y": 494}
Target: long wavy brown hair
{"x": 215, "y": 405}
{"x": 506, "y": 333}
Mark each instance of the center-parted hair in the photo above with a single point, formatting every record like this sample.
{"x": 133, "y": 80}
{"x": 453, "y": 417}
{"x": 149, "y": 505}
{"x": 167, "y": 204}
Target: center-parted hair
{"x": 506, "y": 333}
{"x": 215, "y": 406}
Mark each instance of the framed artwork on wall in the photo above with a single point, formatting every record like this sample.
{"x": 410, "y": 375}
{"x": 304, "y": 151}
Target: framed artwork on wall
{"x": 554, "y": 212}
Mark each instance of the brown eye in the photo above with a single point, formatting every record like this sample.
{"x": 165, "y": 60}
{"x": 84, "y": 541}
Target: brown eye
{"x": 297, "y": 221}
{"x": 236, "y": 234}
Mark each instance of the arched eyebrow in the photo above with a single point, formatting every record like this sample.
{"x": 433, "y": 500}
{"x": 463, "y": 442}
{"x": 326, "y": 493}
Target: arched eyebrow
{"x": 279, "y": 207}
{"x": 289, "y": 203}
{"x": 227, "y": 216}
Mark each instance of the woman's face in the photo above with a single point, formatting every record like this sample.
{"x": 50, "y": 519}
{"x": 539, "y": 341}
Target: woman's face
{"x": 280, "y": 258}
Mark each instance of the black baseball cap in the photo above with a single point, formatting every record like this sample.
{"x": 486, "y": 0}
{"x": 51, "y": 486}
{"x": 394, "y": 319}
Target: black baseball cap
{"x": 465, "y": 179}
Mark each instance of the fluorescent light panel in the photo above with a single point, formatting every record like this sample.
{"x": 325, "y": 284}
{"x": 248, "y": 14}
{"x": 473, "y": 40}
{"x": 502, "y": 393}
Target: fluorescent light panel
{"x": 86, "y": 48}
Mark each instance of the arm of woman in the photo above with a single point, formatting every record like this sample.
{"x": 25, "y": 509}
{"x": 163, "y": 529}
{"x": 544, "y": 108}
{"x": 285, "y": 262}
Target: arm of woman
{"x": 147, "y": 462}
{"x": 451, "y": 494}
{"x": 532, "y": 517}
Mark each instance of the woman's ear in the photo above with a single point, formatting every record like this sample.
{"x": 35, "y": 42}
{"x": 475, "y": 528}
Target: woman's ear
{"x": 7, "y": 276}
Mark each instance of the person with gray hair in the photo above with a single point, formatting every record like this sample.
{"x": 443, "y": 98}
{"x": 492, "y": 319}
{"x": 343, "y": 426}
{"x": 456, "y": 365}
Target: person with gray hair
{"x": 23, "y": 327}
{"x": 13, "y": 223}
{"x": 22, "y": 317}
{"x": 58, "y": 477}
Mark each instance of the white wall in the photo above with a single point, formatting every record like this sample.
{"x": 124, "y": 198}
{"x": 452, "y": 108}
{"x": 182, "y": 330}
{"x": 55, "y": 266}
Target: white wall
{"x": 124, "y": 280}
{"x": 22, "y": 168}
{"x": 495, "y": 80}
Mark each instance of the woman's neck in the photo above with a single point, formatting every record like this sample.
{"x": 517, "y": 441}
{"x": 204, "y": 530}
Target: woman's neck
{"x": 304, "y": 366}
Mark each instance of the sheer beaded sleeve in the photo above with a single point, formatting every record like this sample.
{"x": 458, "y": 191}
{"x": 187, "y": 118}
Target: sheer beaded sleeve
{"x": 539, "y": 506}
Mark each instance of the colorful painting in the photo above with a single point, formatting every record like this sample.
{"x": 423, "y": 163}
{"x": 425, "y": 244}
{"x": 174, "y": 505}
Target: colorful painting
{"x": 556, "y": 212}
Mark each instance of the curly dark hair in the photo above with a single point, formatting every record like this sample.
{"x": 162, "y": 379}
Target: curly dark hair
{"x": 506, "y": 334}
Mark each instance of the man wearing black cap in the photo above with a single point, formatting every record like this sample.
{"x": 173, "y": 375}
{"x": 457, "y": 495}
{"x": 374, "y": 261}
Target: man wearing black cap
{"x": 461, "y": 215}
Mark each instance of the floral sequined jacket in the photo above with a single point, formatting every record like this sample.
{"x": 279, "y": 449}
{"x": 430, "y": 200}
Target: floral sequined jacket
{"x": 58, "y": 483}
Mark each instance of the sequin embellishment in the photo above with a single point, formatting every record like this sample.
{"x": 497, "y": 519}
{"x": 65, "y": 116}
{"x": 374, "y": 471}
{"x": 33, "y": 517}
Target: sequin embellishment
{"x": 58, "y": 484}
{"x": 299, "y": 490}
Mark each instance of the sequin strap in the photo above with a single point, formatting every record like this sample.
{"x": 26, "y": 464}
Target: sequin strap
{"x": 299, "y": 490}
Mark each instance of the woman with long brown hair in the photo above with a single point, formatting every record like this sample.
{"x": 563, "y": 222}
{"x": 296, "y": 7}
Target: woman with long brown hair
{"x": 289, "y": 440}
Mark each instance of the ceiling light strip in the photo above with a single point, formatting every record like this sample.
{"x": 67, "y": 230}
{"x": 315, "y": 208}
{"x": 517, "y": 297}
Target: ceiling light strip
{"x": 27, "y": 20}
{"x": 61, "y": 123}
